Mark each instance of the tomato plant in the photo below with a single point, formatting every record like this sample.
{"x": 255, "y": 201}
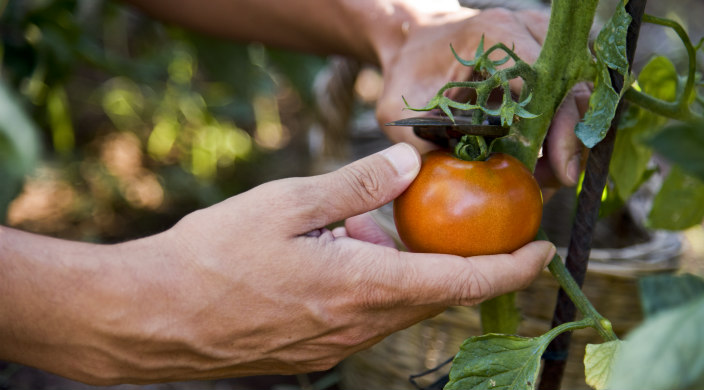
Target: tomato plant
{"x": 652, "y": 356}
{"x": 469, "y": 208}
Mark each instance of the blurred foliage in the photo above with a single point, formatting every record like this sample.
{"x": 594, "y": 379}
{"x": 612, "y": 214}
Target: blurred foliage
{"x": 650, "y": 145}
{"x": 19, "y": 146}
{"x": 139, "y": 122}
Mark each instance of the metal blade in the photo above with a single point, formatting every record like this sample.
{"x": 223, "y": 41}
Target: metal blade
{"x": 441, "y": 129}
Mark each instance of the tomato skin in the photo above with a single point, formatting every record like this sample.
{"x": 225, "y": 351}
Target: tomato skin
{"x": 469, "y": 208}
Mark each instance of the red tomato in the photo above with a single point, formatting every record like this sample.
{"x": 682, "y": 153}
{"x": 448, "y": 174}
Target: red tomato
{"x": 469, "y": 208}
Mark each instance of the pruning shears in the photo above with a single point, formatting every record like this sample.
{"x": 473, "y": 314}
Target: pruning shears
{"x": 440, "y": 130}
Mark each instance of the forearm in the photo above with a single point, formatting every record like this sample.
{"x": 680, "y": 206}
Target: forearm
{"x": 364, "y": 29}
{"x": 63, "y": 303}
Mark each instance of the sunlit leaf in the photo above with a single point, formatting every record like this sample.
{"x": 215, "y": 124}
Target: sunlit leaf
{"x": 59, "y": 115}
{"x": 598, "y": 361}
{"x": 680, "y": 202}
{"x": 665, "y": 352}
{"x": 630, "y": 159}
{"x": 659, "y": 79}
{"x": 629, "y": 163}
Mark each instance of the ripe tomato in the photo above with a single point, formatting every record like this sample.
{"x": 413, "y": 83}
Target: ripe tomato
{"x": 469, "y": 208}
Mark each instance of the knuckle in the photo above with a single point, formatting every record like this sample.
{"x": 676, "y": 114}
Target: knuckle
{"x": 581, "y": 91}
{"x": 536, "y": 15}
{"x": 355, "y": 337}
{"x": 364, "y": 183}
{"x": 473, "y": 288}
{"x": 291, "y": 194}
{"x": 324, "y": 364}
{"x": 379, "y": 284}
{"x": 500, "y": 15}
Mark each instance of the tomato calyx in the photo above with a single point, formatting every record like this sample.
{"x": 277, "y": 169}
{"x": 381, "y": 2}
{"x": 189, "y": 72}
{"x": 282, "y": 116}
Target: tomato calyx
{"x": 471, "y": 148}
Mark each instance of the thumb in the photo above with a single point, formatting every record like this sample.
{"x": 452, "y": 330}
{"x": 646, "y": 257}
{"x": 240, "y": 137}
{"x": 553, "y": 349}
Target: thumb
{"x": 454, "y": 280}
{"x": 361, "y": 186}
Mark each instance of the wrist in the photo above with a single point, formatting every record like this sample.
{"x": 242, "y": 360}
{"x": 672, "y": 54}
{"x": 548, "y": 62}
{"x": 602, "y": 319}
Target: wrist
{"x": 144, "y": 317}
{"x": 83, "y": 311}
{"x": 53, "y": 302}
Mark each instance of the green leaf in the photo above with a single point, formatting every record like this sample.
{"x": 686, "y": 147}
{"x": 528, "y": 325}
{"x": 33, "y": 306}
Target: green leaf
{"x": 495, "y": 361}
{"x": 631, "y": 153}
{"x": 679, "y": 204}
{"x": 19, "y": 146}
{"x": 659, "y": 79}
{"x": 682, "y": 144}
{"x": 630, "y": 159}
{"x": 665, "y": 352}
{"x": 610, "y": 52}
{"x": 598, "y": 361}
{"x": 602, "y": 108}
{"x": 664, "y": 291}
{"x": 59, "y": 115}
{"x": 610, "y": 44}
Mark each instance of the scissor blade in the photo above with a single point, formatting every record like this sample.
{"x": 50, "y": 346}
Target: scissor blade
{"x": 440, "y": 129}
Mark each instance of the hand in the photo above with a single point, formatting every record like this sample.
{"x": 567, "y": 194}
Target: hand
{"x": 424, "y": 63}
{"x": 256, "y": 284}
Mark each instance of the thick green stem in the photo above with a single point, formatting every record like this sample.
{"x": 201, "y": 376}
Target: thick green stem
{"x": 564, "y": 61}
{"x": 499, "y": 315}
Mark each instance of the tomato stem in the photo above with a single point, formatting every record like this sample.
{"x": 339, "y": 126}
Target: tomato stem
{"x": 575, "y": 293}
{"x": 500, "y": 315}
{"x": 472, "y": 148}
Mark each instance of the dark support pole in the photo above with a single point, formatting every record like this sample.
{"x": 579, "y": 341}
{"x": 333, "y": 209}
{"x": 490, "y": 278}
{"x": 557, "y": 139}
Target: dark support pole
{"x": 555, "y": 357}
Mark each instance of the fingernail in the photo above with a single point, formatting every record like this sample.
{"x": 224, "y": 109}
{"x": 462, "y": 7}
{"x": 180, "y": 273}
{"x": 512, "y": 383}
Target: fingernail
{"x": 551, "y": 254}
{"x": 573, "y": 169}
{"x": 404, "y": 158}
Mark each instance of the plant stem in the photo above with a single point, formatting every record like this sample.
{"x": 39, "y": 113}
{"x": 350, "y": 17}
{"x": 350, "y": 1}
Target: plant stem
{"x": 565, "y": 53}
{"x": 569, "y": 326}
{"x": 691, "y": 54}
{"x": 583, "y": 227}
{"x": 499, "y": 315}
{"x": 567, "y": 283}
{"x": 564, "y": 61}
{"x": 679, "y": 109}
